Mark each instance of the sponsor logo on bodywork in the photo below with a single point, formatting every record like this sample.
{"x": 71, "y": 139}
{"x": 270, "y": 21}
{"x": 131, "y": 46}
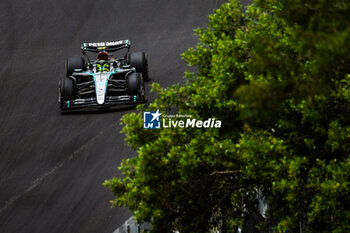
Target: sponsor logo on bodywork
{"x": 109, "y": 43}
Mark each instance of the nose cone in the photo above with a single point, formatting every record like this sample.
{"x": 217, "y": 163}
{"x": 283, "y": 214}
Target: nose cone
{"x": 101, "y": 80}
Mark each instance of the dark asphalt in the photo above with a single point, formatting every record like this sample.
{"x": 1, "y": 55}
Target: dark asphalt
{"x": 52, "y": 165}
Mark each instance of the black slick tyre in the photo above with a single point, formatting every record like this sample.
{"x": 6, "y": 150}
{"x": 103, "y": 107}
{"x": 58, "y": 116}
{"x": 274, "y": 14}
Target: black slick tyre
{"x": 67, "y": 89}
{"x": 140, "y": 62}
{"x": 73, "y": 63}
{"x": 134, "y": 82}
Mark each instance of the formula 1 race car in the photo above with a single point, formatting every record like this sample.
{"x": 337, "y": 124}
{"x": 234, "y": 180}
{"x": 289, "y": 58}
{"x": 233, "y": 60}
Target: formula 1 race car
{"x": 106, "y": 81}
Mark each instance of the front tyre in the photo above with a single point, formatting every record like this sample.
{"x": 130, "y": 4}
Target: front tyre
{"x": 67, "y": 89}
{"x": 134, "y": 83}
{"x": 140, "y": 62}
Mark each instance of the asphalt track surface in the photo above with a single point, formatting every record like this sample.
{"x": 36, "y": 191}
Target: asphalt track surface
{"x": 51, "y": 165}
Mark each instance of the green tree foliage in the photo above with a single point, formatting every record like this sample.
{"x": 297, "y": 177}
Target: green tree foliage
{"x": 278, "y": 77}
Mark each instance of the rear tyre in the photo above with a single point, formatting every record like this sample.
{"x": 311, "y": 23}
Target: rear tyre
{"x": 73, "y": 63}
{"x": 140, "y": 62}
{"x": 67, "y": 89}
{"x": 134, "y": 82}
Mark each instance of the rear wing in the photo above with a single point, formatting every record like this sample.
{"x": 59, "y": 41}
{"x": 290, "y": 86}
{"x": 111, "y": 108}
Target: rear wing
{"x": 109, "y": 46}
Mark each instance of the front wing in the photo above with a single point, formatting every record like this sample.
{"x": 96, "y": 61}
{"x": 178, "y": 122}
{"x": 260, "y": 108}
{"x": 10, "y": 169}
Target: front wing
{"x": 109, "y": 101}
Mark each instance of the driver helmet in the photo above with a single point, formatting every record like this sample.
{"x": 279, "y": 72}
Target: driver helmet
{"x": 102, "y": 56}
{"x": 102, "y": 66}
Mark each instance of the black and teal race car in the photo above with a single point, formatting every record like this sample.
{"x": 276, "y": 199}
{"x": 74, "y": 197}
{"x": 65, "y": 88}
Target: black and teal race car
{"x": 105, "y": 81}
